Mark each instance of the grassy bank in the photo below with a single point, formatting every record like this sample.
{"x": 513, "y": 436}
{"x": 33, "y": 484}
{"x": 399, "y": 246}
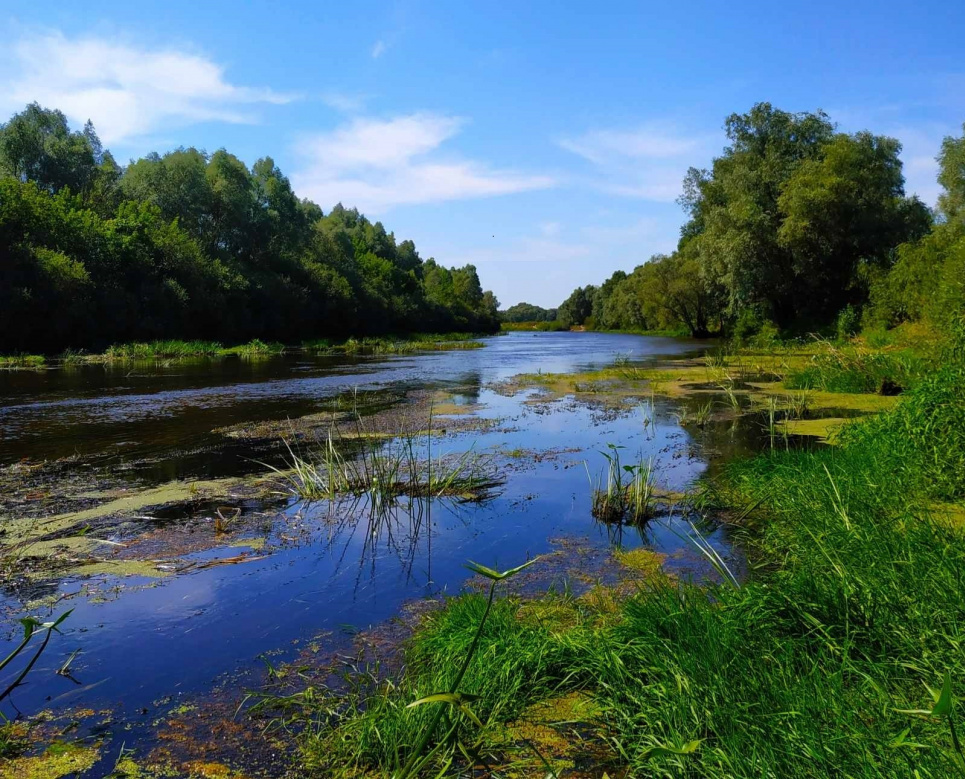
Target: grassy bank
{"x": 543, "y": 327}
{"x": 177, "y": 350}
{"x": 399, "y": 344}
{"x": 839, "y": 656}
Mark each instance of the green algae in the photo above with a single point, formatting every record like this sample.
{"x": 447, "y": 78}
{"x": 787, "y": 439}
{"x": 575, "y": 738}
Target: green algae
{"x": 59, "y": 760}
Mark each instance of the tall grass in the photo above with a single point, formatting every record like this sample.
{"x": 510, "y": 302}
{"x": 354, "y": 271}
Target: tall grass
{"x": 172, "y": 350}
{"x": 22, "y": 361}
{"x": 408, "y": 344}
{"x": 385, "y": 469}
{"x": 540, "y": 327}
{"x": 623, "y": 493}
{"x": 855, "y": 368}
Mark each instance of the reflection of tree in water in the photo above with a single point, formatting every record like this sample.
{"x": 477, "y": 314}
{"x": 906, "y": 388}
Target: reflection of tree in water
{"x": 465, "y": 388}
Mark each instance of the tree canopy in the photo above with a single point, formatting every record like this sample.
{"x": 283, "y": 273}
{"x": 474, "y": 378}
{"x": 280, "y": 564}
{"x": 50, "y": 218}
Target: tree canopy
{"x": 790, "y": 224}
{"x": 196, "y": 245}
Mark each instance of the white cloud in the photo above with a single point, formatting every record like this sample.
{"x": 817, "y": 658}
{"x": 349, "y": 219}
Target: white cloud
{"x": 628, "y": 244}
{"x": 920, "y": 147}
{"x": 647, "y": 142}
{"x": 128, "y": 92}
{"x": 647, "y": 162}
{"x": 378, "y": 49}
{"x": 345, "y": 102}
{"x": 377, "y": 164}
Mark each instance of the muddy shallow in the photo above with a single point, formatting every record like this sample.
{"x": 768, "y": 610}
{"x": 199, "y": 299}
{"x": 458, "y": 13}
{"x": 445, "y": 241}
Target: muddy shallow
{"x": 173, "y": 610}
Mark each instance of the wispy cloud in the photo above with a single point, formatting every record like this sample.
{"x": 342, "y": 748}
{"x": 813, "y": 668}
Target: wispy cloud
{"x": 379, "y": 49}
{"x": 629, "y": 243}
{"x": 376, "y": 164}
{"x": 647, "y": 162}
{"x": 345, "y": 102}
{"x": 125, "y": 90}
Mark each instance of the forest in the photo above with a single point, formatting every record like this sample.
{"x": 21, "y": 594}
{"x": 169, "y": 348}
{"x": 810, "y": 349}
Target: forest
{"x": 191, "y": 245}
{"x": 795, "y": 228}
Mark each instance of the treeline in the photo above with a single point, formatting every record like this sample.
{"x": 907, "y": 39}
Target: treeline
{"x": 796, "y": 227}
{"x": 527, "y": 312}
{"x": 196, "y": 246}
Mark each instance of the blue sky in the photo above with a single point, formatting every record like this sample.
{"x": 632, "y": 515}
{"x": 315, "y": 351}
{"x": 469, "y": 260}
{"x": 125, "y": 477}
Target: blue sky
{"x": 543, "y": 142}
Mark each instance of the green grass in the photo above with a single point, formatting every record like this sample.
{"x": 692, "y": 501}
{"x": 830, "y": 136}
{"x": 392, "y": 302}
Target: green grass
{"x": 407, "y": 344}
{"x": 22, "y": 362}
{"x": 543, "y": 327}
{"x": 852, "y": 368}
{"x": 172, "y": 350}
{"x": 808, "y": 669}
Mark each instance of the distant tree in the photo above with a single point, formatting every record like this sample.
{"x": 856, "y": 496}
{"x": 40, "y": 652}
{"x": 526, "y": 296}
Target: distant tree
{"x": 578, "y": 307}
{"x": 604, "y": 315}
{"x": 196, "y": 246}
{"x": 951, "y": 175}
{"x": 791, "y": 209}
{"x": 527, "y": 312}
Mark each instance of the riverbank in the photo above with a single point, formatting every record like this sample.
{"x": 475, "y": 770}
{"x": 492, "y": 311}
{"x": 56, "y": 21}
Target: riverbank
{"x": 175, "y": 349}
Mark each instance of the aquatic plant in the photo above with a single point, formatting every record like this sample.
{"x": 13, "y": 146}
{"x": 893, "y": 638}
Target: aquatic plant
{"x": 625, "y": 366}
{"x": 622, "y": 492}
{"x": 699, "y": 415}
{"x": 385, "y": 468}
{"x": 798, "y": 404}
{"x": 731, "y": 396}
{"x": 32, "y": 628}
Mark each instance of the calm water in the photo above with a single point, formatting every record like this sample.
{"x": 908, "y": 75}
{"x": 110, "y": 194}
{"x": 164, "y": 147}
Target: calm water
{"x": 152, "y": 644}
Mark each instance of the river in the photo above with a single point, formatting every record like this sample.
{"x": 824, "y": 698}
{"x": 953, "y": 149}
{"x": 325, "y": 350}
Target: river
{"x": 146, "y": 644}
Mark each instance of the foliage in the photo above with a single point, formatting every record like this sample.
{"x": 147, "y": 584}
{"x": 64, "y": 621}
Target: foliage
{"x": 527, "y": 312}
{"x": 577, "y": 308}
{"x": 792, "y": 224}
{"x": 854, "y": 368}
{"x": 195, "y": 246}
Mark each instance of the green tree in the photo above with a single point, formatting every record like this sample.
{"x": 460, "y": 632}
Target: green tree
{"x": 578, "y": 307}
{"x": 38, "y": 145}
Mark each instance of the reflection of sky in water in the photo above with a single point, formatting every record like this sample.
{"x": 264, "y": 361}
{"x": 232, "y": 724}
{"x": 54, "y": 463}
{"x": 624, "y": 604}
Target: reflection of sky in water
{"x": 57, "y": 413}
{"x": 179, "y": 636}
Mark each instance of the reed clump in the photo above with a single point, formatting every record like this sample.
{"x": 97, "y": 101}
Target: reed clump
{"x": 623, "y": 493}
{"x": 385, "y": 469}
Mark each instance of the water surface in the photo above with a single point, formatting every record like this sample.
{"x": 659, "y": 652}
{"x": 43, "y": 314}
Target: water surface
{"x": 323, "y": 571}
